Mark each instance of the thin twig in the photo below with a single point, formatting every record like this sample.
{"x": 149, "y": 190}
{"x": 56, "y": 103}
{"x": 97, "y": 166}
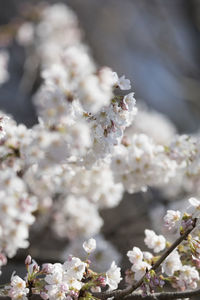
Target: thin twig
{"x": 164, "y": 296}
{"x": 127, "y": 291}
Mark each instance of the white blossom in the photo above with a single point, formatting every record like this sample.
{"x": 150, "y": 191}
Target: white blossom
{"x": 147, "y": 255}
{"x": 188, "y": 278}
{"x": 25, "y": 34}
{"x": 70, "y": 222}
{"x": 140, "y": 269}
{"x": 141, "y": 163}
{"x": 4, "y": 59}
{"x": 172, "y": 218}
{"x": 18, "y": 288}
{"x": 135, "y": 256}
{"x": 122, "y": 82}
{"x": 172, "y": 263}
{"x": 154, "y": 124}
{"x": 194, "y": 206}
{"x": 154, "y": 241}
{"x": 113, "y": 277}
{"x": 75, "y": 268}
{"x": 89, "y": 246}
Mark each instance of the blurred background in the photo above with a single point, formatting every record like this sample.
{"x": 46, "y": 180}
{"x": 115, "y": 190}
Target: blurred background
{"x": 156, "y": 44}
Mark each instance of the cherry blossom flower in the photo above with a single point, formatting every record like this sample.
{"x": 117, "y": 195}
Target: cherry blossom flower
{"x": 89, "y": 246}
{"x": 113, "y": 277}
{"x": 172, "y": 263}
{"x": 135, "y": 256}
{"x": 172, "y": 218}
{"x": 18, "y": 288}
{"x": 153, "y": 241}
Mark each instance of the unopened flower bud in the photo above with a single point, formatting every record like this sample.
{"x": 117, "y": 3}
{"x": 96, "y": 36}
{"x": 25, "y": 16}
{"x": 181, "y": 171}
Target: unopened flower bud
{"x": 3, "y": 259}
{"x": 74, "y": 294}
{"x": 196, "y": 261}
{"x": 88, "y": 261}
{"x": 161, "y": 283}
{"x": 148, "y": 276}
{"x": 28, "y": 260}
{"x": 144, "y": 290}
{"x": 156, "y": 282}
{"x": 36, "y": 268}
{"x": 102, "y": 281}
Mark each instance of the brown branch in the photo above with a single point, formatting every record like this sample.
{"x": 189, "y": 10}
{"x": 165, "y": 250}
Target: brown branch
{"x": 138, "y": 296}
{"x": 164, "y": 296}
{"x": 119, "y": 294}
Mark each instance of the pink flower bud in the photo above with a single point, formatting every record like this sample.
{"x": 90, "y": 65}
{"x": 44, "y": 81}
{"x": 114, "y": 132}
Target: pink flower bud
{"x": 3, "y": 259}
{"x": 28, "y": 260}
{"x": 196, "y": 261}
{"x": 70, "y": 257}
{"x": 36, "y": 268}
{"x": 74, "y": 294}
{"x": 88, "y": 261}
{"x": 102, "y": 281}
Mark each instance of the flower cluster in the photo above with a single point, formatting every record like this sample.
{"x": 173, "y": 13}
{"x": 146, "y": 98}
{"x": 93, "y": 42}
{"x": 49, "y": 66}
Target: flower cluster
{"x": 61, "y": 166}
{"x": 180, "y": 267}
{"x": 74, "y": 279}
{"x": 17, "y": 204}
{"x": 71, "y": 280}
{"x": 90, "y": 144}
{"x": 141, "y": 163}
